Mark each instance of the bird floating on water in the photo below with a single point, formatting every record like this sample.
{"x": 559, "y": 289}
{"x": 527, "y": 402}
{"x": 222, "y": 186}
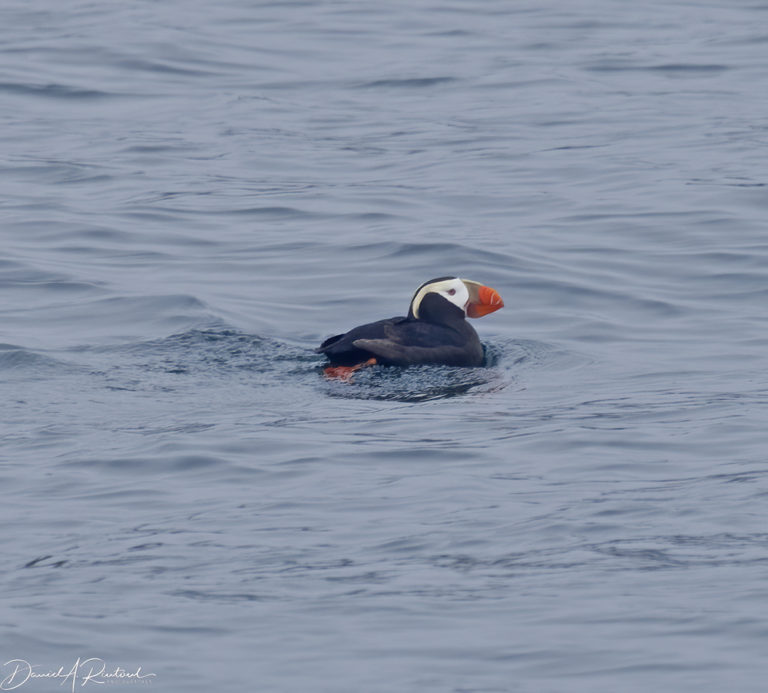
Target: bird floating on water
{"x": 435, "y": 331}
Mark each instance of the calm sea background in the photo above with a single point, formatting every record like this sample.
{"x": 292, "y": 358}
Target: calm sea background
{"x": 193, "y": 195}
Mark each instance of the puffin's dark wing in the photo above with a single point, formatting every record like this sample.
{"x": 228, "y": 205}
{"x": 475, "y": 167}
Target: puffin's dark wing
{"x": 341, "y": 349}
{"x": 414, "y": 342}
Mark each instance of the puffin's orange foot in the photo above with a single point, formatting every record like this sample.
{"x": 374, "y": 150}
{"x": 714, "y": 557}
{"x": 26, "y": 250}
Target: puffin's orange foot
{"x": 345, "y": 372}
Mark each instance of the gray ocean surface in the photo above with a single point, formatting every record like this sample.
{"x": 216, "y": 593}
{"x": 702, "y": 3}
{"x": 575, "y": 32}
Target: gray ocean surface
{"x": 193, "y": 195}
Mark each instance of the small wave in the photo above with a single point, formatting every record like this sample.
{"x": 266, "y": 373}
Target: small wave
{"x": 204, "y": 353}
{"x": 408, "y": 83}
{"x": 14, "y": 357}
{"x": 57, "y": 91}
{"x": 670, "y": 68}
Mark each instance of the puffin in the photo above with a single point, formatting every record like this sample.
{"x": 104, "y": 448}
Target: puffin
{"x": 435, "y": 331}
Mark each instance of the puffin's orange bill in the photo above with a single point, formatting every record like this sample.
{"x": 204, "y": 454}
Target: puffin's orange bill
{"x": 488, "y": 300}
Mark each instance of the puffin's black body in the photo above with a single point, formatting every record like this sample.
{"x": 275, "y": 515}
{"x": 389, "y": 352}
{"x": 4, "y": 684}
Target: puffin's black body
{"x": 435, "y": 332}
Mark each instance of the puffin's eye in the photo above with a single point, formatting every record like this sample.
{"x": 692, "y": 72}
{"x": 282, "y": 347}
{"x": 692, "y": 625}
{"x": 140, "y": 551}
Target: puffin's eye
{"x": 451, "y": 292}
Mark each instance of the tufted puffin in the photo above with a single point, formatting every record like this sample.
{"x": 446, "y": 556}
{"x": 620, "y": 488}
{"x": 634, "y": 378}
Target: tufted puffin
{"x": 435, "y": 331}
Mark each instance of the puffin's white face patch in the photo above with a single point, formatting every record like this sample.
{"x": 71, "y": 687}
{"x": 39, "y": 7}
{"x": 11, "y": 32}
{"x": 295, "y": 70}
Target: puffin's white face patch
{"x": 453, "y": 290}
